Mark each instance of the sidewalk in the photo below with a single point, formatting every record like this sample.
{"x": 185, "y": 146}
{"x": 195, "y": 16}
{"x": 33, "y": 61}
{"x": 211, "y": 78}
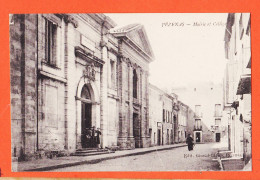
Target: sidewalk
{"x": 61, "y": 162}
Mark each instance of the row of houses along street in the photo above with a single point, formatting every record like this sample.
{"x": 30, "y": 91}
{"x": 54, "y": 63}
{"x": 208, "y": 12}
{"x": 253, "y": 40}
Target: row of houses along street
{"x": 80, "y": 86}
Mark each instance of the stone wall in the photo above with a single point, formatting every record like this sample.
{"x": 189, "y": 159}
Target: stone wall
{"x": 45, "y": 97}
{"x": 23, "y": 38}
{"x": 16, "y": 58}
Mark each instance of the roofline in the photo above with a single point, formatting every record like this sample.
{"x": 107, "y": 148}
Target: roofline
{"x": 102, "y": 18}
{"x": 151, "y": 58}
{"x": 124, "y": 35}
{"x": 162, "y": 91}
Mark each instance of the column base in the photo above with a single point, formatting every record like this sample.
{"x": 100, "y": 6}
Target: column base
{"x": 146, "y": 142}
{"x": 125, "y": 142}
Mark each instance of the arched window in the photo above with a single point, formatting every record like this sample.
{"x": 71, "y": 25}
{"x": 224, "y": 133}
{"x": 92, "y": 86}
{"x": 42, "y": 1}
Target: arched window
{"x": 134, "y": 84}
{"x": 85, "y": 93}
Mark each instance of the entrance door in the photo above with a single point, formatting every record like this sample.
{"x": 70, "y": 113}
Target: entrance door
{"x": 136, "y": 130}
{"x": 158, "y": 137}
{"x": 217, "y": 137}
{"x": 197, "y": 136}
{"x": 86, "y": 125}
{"x": 168, "y": 139}
{"x": 86, "y": 122}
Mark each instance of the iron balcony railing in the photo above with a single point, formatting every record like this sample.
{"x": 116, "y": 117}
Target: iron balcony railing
{"x": 198, "y": 128}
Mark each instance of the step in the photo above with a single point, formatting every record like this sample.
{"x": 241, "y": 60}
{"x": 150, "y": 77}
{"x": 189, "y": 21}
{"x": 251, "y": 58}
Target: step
{"x": 87, "y": 149}
{"x": 91, "y": 151}
{"x": 232, "y": 164}
{"x": 91, "y": 154}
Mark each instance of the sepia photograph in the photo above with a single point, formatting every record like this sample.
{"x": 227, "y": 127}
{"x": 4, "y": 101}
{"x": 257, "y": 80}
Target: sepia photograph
{"x": 99, "y": 92}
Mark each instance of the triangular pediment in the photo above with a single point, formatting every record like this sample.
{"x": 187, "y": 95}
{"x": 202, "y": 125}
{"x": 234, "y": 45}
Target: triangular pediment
{"x": 137, "y": 34}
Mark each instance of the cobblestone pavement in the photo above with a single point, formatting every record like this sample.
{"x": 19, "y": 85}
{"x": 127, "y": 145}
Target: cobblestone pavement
{"x": 178, "y": 159}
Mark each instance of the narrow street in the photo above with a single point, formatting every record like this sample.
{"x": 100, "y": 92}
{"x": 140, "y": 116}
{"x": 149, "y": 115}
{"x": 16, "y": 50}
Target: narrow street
{"x": 178, "y": 159}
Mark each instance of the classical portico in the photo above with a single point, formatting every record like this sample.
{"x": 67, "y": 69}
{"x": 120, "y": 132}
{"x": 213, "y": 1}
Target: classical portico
{"x": 135, "y": 54}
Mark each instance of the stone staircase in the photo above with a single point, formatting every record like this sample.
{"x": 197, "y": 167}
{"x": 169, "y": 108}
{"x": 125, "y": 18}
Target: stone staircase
{"x": 91, "y": 152}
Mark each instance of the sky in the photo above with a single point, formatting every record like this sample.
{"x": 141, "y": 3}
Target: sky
{"x": 188, "y": 48}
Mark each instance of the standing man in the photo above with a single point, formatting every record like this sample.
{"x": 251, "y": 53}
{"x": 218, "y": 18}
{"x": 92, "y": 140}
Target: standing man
{"x": 98, "y": 133}
{"x": 190, "y": 143}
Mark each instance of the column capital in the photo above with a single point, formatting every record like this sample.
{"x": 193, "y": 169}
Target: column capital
{"x": 70, "y": 19}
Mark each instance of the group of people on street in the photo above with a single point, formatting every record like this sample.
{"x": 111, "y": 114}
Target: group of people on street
{"x": 93, "y": 137}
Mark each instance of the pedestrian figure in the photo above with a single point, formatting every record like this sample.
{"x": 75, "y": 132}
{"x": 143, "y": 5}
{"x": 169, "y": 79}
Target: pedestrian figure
{"x": 93, "y": 144}
{"x": 190, "y": 143}
{"x": 97, "y": 135}
{"x": 88, "y": 137}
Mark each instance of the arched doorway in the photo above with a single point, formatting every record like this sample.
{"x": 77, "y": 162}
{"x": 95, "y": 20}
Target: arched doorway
{"x": 86, "y": 117}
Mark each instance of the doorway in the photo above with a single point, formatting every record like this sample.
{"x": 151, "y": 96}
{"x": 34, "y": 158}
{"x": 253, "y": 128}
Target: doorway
{"x": 86, "y": 118}
{"x": 86, "y": 125}
{"x": 217, "y": 137}
{"x": 198, "y": 137}
{"x": 136, "y": 129}
{"x": 158, "y": 137}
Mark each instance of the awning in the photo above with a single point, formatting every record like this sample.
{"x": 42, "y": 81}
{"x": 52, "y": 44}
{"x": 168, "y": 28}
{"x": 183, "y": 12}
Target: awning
{"x": 244, "y": 86}
{"x": 249, "y": 64}
{"x": 235, "y": 104}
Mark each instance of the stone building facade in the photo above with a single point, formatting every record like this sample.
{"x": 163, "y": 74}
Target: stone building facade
{"x": 164, "y": 121}
{"x": 168, "y": 119}
{"x": 155, "y": 115}
{"x": 237, "y": 84}
{"x": 182, "y": 121}
{"x": 71, "y": 72}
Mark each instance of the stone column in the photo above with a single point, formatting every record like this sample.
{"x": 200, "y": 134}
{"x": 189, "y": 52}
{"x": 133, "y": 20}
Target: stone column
{"x": 104, "y": 92}
{"x": 70, "y": 87}
{"x": 142, "y": 130}
{"x": 130, "y": 91}
{"x": 122, "y": 138}
{"x": 144, "y": 127}
{"x": 147, "y": 108}
{"x": 29, "y": 82}
{"x": 119, "y": 69}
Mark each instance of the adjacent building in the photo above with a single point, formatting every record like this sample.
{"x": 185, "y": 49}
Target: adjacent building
{"x": 73, "y": 72}
{"x": 182, "y": 122}
{"x": 156, "y": 115}
{"x": 162, "y": 116}
{"x": 237, "y": 84}
{"x": 205, "y": 103}
{"x": 170, "y": 119}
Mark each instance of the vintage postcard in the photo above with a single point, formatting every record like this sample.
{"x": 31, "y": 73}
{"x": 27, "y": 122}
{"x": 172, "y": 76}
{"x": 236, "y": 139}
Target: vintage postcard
{"x": 99, "y": 92}
{"x": 116, "y": 94}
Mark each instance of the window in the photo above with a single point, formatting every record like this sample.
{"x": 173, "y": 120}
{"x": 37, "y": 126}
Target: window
{"x": 51, "y": 42}
{"x": 112, "y": 74}
{"x": 51, "y": 106}
{"x": 198, "y": 110}
{"x": 163, "y": 115}
{"x": 217, "y": 110}
{"x": 197, "y": 123}
{"x": 217, "y": 122}
{"x": 85, "y": 94}
{"x": 241, "y": 28}
{"x": 135, "y": 84}
{"x": 154, "y": 136}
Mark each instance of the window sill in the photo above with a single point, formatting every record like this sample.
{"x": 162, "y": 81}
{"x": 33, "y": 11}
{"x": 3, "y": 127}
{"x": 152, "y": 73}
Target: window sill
{"x": 51, "y": 65}
{"x": 52, "y": 76}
